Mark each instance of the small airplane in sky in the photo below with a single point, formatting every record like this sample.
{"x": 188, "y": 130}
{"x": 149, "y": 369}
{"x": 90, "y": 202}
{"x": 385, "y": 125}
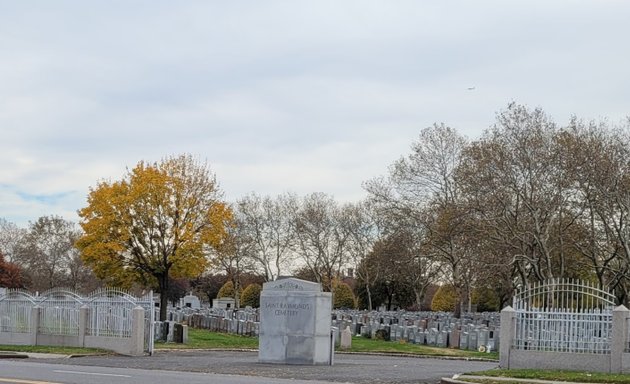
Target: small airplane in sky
{"x": 470, "y": 88}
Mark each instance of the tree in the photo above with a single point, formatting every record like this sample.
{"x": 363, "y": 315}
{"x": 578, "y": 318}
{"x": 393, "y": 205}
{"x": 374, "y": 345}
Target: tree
{"x": 518, "y": 188}
{"x": 343, "y": 296}
{"x": 233, "y": 255}
{"x": 10, "y": 274}
{"x": 251, "y": 296}
{"x": 403, "y": 272}
{"x": 267, "y": 223}
{"x": 322, "y": 235}
{"x": 364, "y": 231}
{"x": 160, "y": 221}
{"x": 48, "y": 254}
{"x": 422, "y": 194}
{"x": 227, "y": 290}
{"x": 207, "y": 286}
{"x": 445, "y": 299}
{"x": 597, "y": 166}
{"x": 10, "y": 237}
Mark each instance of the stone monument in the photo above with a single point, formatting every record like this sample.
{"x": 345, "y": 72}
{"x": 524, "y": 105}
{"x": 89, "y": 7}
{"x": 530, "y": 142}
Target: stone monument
{"x": 295, "y": 323}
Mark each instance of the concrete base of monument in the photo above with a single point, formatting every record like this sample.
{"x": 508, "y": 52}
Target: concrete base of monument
{"x": 295, "y": 323}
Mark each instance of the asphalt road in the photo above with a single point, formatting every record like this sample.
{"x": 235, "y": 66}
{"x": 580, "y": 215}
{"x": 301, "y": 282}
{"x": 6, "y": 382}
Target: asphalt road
{"x": 30, "y": 372}
{"x": 348, "y": 368}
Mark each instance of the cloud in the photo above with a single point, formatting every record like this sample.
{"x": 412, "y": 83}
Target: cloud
{"x": 277, "y": 95}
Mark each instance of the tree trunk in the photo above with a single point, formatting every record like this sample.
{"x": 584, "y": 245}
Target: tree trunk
{"x": 163, "y": 281}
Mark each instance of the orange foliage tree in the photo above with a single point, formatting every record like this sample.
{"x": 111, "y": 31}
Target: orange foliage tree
{"x": 160, "y": 221}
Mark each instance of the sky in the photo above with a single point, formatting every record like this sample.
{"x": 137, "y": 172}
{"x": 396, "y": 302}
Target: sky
{"x": 280, "y": 96}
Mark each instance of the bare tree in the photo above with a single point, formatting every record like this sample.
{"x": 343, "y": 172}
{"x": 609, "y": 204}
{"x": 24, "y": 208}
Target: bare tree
{"x": 513, "y": 179}
{"x": 47, "y": 251}
{"x": 321, "y": 236}
{"x": 421, "y": 193}
{"x": 267, "y": 223}
{"x": 10, "y": 237}
{"x": 234, "y": 254}
{"x": 364, "y": 232}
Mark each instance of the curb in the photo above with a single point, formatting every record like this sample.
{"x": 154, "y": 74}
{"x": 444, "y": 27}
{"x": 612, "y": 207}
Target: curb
{"x": 460, "y": 379}
{"x": 10, "y": 355}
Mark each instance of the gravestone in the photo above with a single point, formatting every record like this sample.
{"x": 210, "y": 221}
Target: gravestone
{"x": 190, "y": 301}
{"x": 346, "y": 339}
{"x": 463, "y": 340}
{"x": 295, "y": 323}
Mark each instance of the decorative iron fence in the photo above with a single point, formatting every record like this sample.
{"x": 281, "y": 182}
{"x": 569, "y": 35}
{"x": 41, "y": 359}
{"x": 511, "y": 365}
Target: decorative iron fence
{"x": 563, "y": 315}
{"x": 564, "y": 331}
{"x": 565, "y": 324}
{"x": 108, "y": 313}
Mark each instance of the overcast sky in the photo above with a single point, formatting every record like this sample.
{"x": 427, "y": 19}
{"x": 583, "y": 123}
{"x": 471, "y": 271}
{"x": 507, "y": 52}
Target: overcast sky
{"x": 279, "y": 96}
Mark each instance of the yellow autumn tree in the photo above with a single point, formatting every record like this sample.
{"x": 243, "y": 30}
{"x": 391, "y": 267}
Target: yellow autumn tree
{"x": 159, "y": 221}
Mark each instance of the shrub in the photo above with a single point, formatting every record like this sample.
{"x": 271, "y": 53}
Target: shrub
{"x": 227, "y": 290}
{"x": 343, "y": 296}
{"x": 445, "y": 299}
{"x": 251, "y": 296}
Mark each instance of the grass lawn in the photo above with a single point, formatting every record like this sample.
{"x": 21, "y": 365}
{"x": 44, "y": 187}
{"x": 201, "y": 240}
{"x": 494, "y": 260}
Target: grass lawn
{"x": 53, "y": 349}
{"x": 555, "y": 375}
{"x": 361, "y": 344}
{"x": 203, "y": 339}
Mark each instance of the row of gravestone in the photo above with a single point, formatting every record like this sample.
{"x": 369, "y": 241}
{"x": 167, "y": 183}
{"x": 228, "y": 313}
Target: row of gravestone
{"x": 469, "y": 336}
{"x": 182, "y": 314}
{"x": 424, "y": 320}
{"x": 170, "y": 331}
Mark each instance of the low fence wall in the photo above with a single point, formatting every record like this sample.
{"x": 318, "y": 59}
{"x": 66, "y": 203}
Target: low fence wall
{"x": 108, "y": 319}
{"x": 577, "y": 342}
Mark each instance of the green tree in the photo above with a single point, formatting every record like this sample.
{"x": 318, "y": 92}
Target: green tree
{"x": 251, "y": 296}
{"x": 445, "y": 299}
{"x": 343, "y": 296}
{"x": 227, "y": 290}
{"x": 158, "y": 222}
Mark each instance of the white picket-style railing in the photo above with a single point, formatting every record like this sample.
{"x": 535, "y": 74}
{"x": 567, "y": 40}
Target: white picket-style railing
{"x": 109, "y": 313}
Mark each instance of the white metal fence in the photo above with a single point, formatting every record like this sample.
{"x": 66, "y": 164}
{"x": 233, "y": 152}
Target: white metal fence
{"x": 109, "y": 313}
{"x": 563, "y": 315}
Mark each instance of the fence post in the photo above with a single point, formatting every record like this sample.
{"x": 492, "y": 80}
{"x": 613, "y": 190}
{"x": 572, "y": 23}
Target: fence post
{"x": 506, "y": 336}
{"x": 83, "y": 323}
{"x": 619, "y": 337}
{"x": 34, "y": 324}
{"x": 137, "y": 332}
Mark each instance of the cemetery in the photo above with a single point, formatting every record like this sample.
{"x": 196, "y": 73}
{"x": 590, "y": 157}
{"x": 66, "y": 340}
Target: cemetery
{"x": 561, "y": 324}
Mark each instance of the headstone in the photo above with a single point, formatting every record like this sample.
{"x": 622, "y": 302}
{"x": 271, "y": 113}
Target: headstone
{"x": 170, "y": 337}
{"x": 463, "y": 340}
{"x": 453, "y": 339}
{"x": 420, "y": 337}
{"x": 223, "y": 303}
{"x": 483, "y": 338}
{"x": 295, "y": 323}
{"x": 191, "y": 301}
{"x": 441, "y": 340}
{"x": 346, "y": 339}
{"x": 472, "y": 340}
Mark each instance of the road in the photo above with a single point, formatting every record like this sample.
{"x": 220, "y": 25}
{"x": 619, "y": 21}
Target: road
{"x": 29, "y": 372}
{"x": 236, "y": 367}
